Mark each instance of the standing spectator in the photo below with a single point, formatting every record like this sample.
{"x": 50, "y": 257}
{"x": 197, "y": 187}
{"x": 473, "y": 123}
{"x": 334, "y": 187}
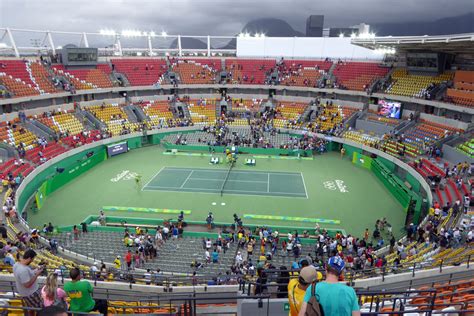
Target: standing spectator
{"x": 80, "y": 293}
{"x": 26, "y": 281}
{"x": 52, "y": 294}
{"x": 297, "y": 288}
{"x": 336, "y": 299}
{"x": 128, "y": 259}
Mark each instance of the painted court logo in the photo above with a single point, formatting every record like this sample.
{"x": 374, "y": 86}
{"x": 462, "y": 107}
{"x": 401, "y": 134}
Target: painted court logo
{"x": 124, "y": 175}
{"x": 335, "y": 185}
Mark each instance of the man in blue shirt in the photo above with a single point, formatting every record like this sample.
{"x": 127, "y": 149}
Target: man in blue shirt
{"x": 336, "y": 299}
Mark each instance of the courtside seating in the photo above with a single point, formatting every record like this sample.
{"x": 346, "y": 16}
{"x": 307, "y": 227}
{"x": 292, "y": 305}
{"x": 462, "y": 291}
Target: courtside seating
{"x": 157, "y": 111}
{"x": 204, "y": 113}
{"x": 196, "y": 72}
{"x": 79, "y": 139}
{"x": 358, "y": 75}
{"x": 51, "y": 150}
{"x": 463, "y": 91}
{"x": 114, "y": 117}
{"x": 136, "y": 70}
{"x": 413, "y": 85}
{"x": 249, "y": 71}
{"x": 15, "y": 169}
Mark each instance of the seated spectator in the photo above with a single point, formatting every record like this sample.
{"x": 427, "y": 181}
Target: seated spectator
{"x": 80, "y": 293}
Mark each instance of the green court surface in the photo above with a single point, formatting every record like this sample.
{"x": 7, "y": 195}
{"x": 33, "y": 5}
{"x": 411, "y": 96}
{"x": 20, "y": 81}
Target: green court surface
{"x": 327, "y": 187}
{"x": 242, "y": 182}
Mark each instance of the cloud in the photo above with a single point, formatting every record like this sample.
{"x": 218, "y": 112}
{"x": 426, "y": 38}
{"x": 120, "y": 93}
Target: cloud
{"x": 213, "y": 17}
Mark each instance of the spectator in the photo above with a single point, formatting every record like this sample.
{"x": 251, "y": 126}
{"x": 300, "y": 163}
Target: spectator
{"x": 336, "y": 299}
{"x": 53, "y": 295}
{"x": 80, "y": 293}
{"x": 297, "y": 288}
{"x": 26, "y": 281}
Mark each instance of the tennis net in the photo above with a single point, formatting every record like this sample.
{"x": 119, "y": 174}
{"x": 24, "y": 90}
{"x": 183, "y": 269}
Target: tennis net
{"x": 227, "y": 177}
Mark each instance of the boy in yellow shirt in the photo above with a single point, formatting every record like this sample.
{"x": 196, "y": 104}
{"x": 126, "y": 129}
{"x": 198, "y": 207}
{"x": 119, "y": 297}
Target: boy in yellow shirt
{"x": 297, "y": 288}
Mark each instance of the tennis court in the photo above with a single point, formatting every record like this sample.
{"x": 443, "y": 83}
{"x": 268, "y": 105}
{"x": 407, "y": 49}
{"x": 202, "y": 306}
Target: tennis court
{"x": 239, "y": 182}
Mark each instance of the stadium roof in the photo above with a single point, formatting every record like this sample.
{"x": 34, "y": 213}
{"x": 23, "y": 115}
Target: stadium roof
{"x": 457, "y": 43}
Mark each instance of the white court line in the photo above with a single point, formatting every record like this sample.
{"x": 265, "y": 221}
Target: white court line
{"x": 174, "y": 189}
{"x": 234, "y": 171}
{"x": 153, "y": 178}
{"x": 268, "y": 183}
{"x": 304, "y": 184}
{"x": 249, "y": 181}
{"x": 196, "y": 190}
{"x": 189, "y": 176}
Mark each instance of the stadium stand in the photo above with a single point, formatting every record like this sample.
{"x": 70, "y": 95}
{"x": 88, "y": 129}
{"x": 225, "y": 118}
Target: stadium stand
{"x": 302, "y": 72}
{"x": 114, "y": 117}
{"x": 411, "y": 85}
{"x": 65, "y": 123}
{"x": 197, "y": 72}
{"x": 141, "y": 72}
{"x": 14, "y": 134}
{"x": 203, "y": 111}
{"x": 358, "y": 75}
{"x": 467, "y": 148}
{"x": 90, "y": 77}
{"x": 249, "y": 71}
{"x": 49, "y": 151}
{"x": 288, "y": 113}
{"x": 158, "y": 112}
{"x": 463, "y": 91}
{"x": 41, "y": 77}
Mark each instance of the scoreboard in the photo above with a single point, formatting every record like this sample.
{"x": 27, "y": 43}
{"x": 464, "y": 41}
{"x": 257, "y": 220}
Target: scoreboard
{"x": 76, "y": 56}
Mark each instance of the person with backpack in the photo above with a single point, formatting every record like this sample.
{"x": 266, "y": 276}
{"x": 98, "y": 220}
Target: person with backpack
{"x": 330, "y": 298}
{"x": 297, "y": 288}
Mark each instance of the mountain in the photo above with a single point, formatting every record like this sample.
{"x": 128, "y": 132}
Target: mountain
{"x": 189, "y": 43}
{"x": 271, "y": 27}
{"x": 452, "y": 25}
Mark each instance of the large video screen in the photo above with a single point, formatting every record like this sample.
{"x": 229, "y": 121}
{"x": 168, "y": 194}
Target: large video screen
{"x": 390, "y": 109}
{"x": 117, "y": 149}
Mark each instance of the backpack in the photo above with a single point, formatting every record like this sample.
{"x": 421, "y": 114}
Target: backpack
{"x": 313, "y": 307}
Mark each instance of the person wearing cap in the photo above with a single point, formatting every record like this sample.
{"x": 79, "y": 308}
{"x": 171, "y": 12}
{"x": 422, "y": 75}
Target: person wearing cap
{"x": 336, "y": 299}
{"x": 297, "y": 288}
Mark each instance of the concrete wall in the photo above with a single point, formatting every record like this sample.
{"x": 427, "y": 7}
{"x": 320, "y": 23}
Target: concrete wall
{"x": 371, "y": 126}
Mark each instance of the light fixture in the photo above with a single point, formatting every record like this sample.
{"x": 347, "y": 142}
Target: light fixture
{"x": 107, "y": 32}
{"x": 164, "y": 34}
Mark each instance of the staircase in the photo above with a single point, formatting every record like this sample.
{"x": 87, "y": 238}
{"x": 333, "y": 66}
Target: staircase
{"x": 39, "y": 129}
{"x": 118, "y": 76}
{"x": 138, "y": 111}
{"x": 132, "y": 118}
{"x": 305, "y": 116}
{"x": 96, "y": 122}
{"x": 88, "y": 125}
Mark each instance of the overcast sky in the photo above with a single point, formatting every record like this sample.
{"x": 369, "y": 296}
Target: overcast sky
{"x": 214, "y": 17}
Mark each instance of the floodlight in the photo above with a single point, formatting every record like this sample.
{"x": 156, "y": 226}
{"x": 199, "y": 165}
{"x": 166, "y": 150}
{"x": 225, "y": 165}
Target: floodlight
{"x": 107, "y": 32}
{"x": 164, "y": 34}
{"x": 341, "y": 35}
{"x": 152, "y": 34}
